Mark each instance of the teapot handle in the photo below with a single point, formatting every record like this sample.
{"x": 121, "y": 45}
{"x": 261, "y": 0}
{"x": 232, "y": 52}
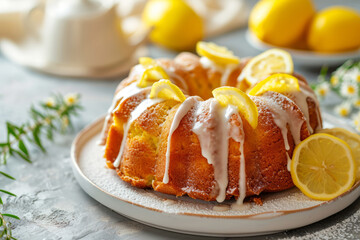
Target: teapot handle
{"x": 30, "y": 25}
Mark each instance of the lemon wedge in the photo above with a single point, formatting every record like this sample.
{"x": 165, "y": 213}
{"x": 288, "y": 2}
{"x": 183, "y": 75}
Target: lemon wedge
{"x": 147, "y": 62}
{"x": 323, "y": 167}
{"x": 265, "y": 64}
{"x": 216, "y": 53}
{"x": 350, "y": 138}
{"x": 279, "y": 82}
{"x": 151, "y": 75}
{"x": 166, "y": 90}
{"x": 236, "y": 97}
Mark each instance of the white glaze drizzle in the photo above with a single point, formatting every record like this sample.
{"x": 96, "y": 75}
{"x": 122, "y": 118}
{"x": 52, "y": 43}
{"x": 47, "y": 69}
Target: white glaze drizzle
{"x": 237, "y": 133}
{"x": 214, "y": 135}
{"x": 301, "y": 100}
{"x": 225, "y": 70}
{"x": 173, "y": 77}
{"x": 282, "y": 118}
{"x": 134, "y": 115}
{"x": 288, "y": 161}
{"x": 122, "y": 95}
{"x": 180, "y": 113}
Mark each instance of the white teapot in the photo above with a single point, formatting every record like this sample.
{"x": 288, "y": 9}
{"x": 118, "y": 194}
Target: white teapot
{"x": 82, "y": 33}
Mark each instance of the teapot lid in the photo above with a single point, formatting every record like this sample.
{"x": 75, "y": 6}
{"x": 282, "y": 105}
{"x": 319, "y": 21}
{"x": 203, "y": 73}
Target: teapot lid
{"x": 73, "y": 8}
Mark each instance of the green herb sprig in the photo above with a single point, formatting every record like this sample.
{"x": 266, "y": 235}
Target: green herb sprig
{"x": 5, "y": 226}
{"x": 52, "y": 115}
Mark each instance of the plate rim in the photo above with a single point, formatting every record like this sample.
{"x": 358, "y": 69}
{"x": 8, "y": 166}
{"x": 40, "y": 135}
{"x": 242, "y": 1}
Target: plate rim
{"x": 97, "y": 123}
{"x": 257, "y": 43}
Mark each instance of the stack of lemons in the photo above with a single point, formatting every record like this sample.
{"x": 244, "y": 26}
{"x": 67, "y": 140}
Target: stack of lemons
{"x": 296, "y": 24}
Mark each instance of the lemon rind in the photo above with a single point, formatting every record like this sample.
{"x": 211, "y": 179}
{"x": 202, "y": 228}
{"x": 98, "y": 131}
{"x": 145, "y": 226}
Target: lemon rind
{"x": 304, "y": 189}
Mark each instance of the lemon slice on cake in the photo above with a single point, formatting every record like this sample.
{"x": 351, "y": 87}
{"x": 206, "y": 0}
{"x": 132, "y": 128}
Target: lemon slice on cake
{"x": 265, "y": 64}
{"x": 239, "y": 99}
{"x": 166, "y": 90}
{"x": 147, "y": 62}
{"x": 323, "y": 167}
{"x": 216, "y": 53}
{"x": 350, "y": 138}
{"x": 279, "y": 82}
{"x": 151, "y": 75}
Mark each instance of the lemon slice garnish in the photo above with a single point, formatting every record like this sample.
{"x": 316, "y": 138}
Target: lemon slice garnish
{"x": 166, "y": 90}
{"x": 323, "y": 167}
{"x": 147, "y": 62}
{"x": 216, "y": 53}
{"x": 279, "y": 82}
{"x": 236, "y": 97}
{"x": 151, "y": 75}
{"x": 265, "y": 64}
{"x": 350, "y": 138}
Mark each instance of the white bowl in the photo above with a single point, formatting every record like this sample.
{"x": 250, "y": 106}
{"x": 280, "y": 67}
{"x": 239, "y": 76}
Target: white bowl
{"x": 303, "y": 57}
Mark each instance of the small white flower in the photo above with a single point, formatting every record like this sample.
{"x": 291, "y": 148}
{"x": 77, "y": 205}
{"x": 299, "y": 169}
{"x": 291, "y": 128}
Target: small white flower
{"x": 50, "y": 102}
{"x": 343, "y": 109}
{"x": 356, "y": 102}
{"x": 71, "y": 98}
{"x": 350, "y": 75}
{"x": 322, "y": 89}
{"x": 356, "y": 121}
{"x": 349, "y": 89}
{"x": 334, "y": 80}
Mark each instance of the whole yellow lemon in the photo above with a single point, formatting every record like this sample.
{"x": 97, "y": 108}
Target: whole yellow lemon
{"x": 281, "y": 22}
{"x": 335, "y": 29}
{"x": 175, "y": 24}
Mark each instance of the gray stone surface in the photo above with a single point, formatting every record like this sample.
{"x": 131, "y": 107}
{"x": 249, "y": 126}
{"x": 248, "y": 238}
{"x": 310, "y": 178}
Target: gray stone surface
{"x": 50, "y": 202}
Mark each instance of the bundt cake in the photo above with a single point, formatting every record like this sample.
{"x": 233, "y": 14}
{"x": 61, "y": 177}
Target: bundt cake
{"x": 198, "y": 147}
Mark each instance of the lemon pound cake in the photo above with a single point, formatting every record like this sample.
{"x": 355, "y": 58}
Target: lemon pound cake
{"x": 211, "y": 127}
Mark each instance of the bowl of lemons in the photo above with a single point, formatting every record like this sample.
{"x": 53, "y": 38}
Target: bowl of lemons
{"x": 328, "y": 36}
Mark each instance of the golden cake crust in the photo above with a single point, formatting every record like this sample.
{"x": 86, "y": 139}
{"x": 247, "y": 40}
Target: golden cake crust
{"x": 143, "y": 162}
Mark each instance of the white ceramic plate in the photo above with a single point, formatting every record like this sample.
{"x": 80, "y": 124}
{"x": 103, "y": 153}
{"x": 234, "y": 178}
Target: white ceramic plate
{"x": 280, "y": 211}
{"x": 303, "y": 57}
{"x": 29, "y": 53}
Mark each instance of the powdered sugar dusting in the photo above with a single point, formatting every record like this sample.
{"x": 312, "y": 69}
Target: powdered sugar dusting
{"x": 92, "y": 164}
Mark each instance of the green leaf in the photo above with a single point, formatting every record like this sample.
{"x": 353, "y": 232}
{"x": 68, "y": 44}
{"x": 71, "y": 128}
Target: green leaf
{"x": 11, "y": 215}
{"x": 3, "y": 144}
{"x": 9, "y": 193}
{"x": 37, "y": 139}
{"x": 1, "y": 201}
{"x": 20, "y": 129}
{"x": 23, "y": 148}
{"x": 6, "y": 156}
{"x": 49, "y": 133}
{"x": 7, "y": 175}
{"x": 10, "y": 129}
{"x": 36, "y": 113}
{"x": 22, "y": 155}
